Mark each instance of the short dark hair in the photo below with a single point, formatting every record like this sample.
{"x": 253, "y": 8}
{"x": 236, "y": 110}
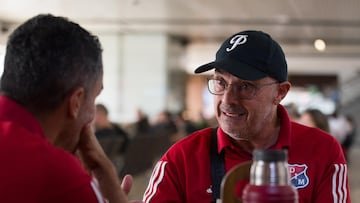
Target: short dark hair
{"x": 102, "y": 108}
{"x": 320, "y": 119}
{"x": 46, "y": 58}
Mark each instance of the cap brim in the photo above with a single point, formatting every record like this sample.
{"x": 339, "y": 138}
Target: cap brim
{"x": 238, "y": 69}
{"x": 205, "y": 67}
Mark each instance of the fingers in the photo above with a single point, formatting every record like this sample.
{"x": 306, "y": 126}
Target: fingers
{"x": 126, "y": 186}
{"x": 86, "y": 131}
{"x": 127, "y": 183}
{"x": 86, "y": 134}
{"x": 91, "y": 153}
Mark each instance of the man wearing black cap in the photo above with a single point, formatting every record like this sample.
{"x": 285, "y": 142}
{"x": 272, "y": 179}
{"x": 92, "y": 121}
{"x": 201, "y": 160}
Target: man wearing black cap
{"x": 248, "y": 84}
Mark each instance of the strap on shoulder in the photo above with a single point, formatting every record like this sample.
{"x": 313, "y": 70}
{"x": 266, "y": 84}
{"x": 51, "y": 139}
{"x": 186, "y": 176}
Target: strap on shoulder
{"x": 217, "y": 166}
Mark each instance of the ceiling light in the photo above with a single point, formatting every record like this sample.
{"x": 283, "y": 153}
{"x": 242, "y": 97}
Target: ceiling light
{"x": 320, "y": 45}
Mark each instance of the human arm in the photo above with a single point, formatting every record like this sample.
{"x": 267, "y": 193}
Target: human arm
{"x": 161, "y": 187}
{"x": 183, "y": 173}
{"x": 167, "y": 180}
{"x": 96, "y": 161}
{"x": 333, "y": 183}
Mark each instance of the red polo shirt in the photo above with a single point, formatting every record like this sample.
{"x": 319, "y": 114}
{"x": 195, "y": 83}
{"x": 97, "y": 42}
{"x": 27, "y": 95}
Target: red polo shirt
{"x": 33, "y": 170}
{"x": 316, "y": 163}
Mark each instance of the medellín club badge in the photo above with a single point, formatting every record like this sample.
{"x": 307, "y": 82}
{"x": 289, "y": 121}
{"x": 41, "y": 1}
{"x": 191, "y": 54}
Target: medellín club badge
{"x": 298, "y": 175}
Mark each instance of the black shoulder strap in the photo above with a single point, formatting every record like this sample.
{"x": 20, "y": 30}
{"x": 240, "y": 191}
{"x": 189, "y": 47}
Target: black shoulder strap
{"x": 217, "y": 166}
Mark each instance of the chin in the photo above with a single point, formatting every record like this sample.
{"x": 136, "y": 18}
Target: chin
{"x": 239, "y": 138}
{"x": 236, "y": 134}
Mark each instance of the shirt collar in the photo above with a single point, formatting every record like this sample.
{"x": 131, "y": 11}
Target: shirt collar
{"x": 284, "y": 138}
{"x": 13, "y": 112}
{"x": 223, "y": 140}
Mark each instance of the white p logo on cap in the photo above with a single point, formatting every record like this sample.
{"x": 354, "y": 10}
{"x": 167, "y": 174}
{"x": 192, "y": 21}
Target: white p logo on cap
{"x": 237, "y": 40}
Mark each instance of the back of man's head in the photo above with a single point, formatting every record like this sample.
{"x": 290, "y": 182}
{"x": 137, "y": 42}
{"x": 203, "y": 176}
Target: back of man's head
{"x": 47, "y": 57}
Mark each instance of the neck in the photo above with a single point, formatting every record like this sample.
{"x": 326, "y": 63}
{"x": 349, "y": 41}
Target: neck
{"x": 266, "y": 138}
{"x": 249, "y": 146}
{"x": 49, "y": 123}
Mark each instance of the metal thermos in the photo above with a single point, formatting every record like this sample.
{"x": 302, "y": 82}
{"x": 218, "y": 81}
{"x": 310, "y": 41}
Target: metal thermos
{"x": 269, "y": 179}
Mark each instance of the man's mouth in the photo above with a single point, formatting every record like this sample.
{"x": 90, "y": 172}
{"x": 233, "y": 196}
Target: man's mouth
{"x": 233, "y": 115}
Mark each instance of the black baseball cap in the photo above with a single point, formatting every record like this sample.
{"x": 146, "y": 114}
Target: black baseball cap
{"x": 250, "y": 55}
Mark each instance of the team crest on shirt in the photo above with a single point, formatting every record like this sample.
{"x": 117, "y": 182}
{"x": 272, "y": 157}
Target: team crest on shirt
{"x": 298, "y": 175}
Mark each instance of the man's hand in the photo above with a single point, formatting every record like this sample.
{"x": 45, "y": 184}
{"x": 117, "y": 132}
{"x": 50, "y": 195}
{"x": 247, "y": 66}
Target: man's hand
{"x": 95, "y": 160}
{"x": 126, "y": 186}
{"x": 90, "y": 151}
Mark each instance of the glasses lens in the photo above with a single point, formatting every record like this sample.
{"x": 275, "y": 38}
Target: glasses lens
{"x": 244, "y": 90}
{"x": 247, "y": 90}
{"x": 216, "y": 86}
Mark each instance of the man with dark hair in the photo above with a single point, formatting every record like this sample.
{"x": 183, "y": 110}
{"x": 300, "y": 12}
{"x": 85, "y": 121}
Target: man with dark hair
{"x": 248, "y": 83}
{"x": 112, "y": 137}
{"x": 105, "y": 128}
{"x": 52, "y": 75}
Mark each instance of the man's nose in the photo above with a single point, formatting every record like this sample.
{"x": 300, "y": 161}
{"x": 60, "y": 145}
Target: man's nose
{"x": 231, "y": 95}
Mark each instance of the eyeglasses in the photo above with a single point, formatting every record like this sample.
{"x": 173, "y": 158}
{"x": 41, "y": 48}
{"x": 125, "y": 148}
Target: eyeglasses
{"x": 245, "y": 90}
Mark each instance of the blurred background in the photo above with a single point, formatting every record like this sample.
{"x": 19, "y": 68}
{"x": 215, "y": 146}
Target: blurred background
{"x": 151, "y": 48}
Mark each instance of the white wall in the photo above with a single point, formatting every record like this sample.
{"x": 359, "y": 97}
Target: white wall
{"x": 111, "y": 95}
{"x": 135, "y": 74}
{"x": 145, "y": 74}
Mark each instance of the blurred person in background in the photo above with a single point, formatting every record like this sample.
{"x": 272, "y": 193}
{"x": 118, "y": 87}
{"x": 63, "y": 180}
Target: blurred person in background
{"x": 184, "y": 125}
{"x": 350, "y": 137}
{"x": 164, "y": 122}
{"x": 112, "y": 138}
{"x": 48, "y": 150}
{"x": 248, "y": 84}
{"x": 142, "y": 124}
{"x": 292, "y": 111}
{"x": 339, "y": 126}
{"x": 315, "y": 118}
{"x": 104, "y": 128}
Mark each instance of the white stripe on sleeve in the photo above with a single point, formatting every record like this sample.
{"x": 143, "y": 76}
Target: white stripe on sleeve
{"x": 155, "y": 179}
{"x": 95, "y": 186}
{"x": 345, "y": 183}
{"x": 339, "y": 189}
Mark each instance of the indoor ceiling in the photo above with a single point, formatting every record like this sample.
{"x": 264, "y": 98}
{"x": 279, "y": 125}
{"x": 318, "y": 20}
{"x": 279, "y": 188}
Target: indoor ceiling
{"x": 295, "y": 23}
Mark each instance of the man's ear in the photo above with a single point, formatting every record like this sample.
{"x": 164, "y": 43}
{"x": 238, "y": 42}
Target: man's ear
{"x": 75, "y": 101}
{"x": 284, "y": 87}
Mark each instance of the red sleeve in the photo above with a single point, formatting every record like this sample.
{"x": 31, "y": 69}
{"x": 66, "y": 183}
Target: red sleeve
{"x": 333, "y": 185}
{"x": 183, "y": 173}
{"x": 164, "y": 183}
